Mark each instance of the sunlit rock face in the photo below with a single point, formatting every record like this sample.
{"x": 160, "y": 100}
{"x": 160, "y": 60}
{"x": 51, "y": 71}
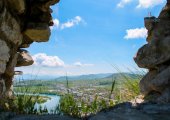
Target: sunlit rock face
{"x": 155, "y": 56}
{"x": 22, "y": 22}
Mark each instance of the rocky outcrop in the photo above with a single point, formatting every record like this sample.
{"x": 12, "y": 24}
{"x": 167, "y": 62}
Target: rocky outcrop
{"x": 22, "y": 22}
{"x": 128, "y": 111}
{"x": 155, "y": 56}
{"x": 123, "y": 111}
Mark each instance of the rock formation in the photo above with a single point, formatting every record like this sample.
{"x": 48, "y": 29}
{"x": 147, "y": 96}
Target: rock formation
{"x": 155, "y": 56}
{"x": 22, "y": 22}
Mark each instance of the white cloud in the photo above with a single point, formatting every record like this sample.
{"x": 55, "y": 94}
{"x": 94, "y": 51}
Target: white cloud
{"x": 122, "y": 3}
{"x": 56, "y": 24}
{"x": 70, "y": 23}
{"x": 149, "y": 3}
{"x": 136, "y": 33}
{"x": 141, "y": 3}
{"x": 79, "y": 64}
{"x": 41, "y": 59}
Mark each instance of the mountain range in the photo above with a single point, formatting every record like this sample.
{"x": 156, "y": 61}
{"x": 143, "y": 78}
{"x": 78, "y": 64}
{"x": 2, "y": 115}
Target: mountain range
{"x": 79, "y": 77}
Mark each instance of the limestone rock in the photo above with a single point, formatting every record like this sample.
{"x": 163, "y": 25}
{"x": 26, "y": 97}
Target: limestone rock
{"x": 1, "y": 5}
{"x": 161, "y": 80}
{"x": 24, "y": 59}
{"x": 11, "y": 65}
{"x": 17, "y": 5}
{"x": 145, "y": 83}
{"x": 4, "y": 53}
{"x": 10, "y": 28}
{"x": 143, "y": 111}
{"x": 2, "y": 86}
{"x": 22, "y": 22}
{"x": 38, "y": 32}
{"x": 155, "y": 81}
{"x": 157, "y": 51}
{"x": 165, "y": 97}
{"x": 2, "y": 67}
{"x": 123, "y": 111}
{"x": 156, "y": 58}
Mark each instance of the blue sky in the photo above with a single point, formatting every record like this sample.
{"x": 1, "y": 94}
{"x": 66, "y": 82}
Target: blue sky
{"x": 89, "y": 35}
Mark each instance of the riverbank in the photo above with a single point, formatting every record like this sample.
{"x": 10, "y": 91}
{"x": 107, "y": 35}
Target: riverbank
{"x": 45, "y": 102}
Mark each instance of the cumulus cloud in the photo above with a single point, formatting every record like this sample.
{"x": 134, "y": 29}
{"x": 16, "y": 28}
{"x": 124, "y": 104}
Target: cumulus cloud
{"x": 149, "y": 3}
{"x": 42, "y": 59}
{"x": 56, "y": 24}
{"x": 122, "y": 3}
{"x": 141, "y": 3}
{"x": 70, "y": 23}
{"x": 79, "y": 64}
{"x": 136, "y": 33}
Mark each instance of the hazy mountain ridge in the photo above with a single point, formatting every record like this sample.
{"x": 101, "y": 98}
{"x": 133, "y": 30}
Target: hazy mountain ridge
{"x": 80, "y": 77}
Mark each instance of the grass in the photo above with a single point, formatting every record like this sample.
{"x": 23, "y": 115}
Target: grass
{"x": 26, "y": 98}
{"x": 116, "y": 90}
{"x": 78, "y": 107}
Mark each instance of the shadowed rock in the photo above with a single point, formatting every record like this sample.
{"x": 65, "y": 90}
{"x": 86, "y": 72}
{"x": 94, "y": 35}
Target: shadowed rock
{"x": 155, "y": 56}
{"x": 24, "y": 59}
{"x": 22, "y": 23}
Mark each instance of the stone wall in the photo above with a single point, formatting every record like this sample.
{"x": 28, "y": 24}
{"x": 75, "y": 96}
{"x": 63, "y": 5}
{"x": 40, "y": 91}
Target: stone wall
{"x": 22, "y": 22}
{"x": 155, "y": 56}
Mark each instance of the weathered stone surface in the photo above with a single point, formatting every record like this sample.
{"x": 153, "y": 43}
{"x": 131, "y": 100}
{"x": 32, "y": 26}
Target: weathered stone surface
{"x": 9, "y": 73}
{"x": 38, "y": 35}
{"x": 155, "y": 57}
{"x": 22, "y": 22}
{"x": 13, "y": 116}
{"x": 165, "y": 97}
{"x": 125, "y": 111}
{"x": 24, "y": 59}
{"x": 10, "y": 28}
{"x": 4, "y": 53}
{"x": 144, "y": 84}
{"x": 157, "y": 51}
{"x": 17, "y": 5}
{"x": 44, "y": 117}
{"x": 2, "y": 86}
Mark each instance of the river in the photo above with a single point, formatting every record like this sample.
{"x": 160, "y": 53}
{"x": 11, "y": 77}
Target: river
{"x": 50, "y": 104}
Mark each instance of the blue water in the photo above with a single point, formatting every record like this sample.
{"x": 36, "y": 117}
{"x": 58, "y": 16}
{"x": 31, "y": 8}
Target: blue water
{"x": 50, "y": 104}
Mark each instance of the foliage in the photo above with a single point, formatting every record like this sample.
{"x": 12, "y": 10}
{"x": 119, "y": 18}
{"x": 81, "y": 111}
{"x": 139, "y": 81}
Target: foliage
{"x": 77, "y": 107}
{"x": 129, "y": 88}
{"x": 26, "y": 99}
{"x": 116, "y": 89}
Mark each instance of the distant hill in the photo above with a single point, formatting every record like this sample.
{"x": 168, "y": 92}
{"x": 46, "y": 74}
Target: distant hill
{"x": 85, "y": 77}
{"x": 123, "y": 75}
{"x": 81, "y": 77}
{"x": 101, "y": 76}
{"x": 35, "y": 77}
{"x": 99, "y": 79}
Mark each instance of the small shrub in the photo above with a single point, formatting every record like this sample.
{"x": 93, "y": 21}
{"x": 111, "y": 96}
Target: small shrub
{"x": 77, "y": 107}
